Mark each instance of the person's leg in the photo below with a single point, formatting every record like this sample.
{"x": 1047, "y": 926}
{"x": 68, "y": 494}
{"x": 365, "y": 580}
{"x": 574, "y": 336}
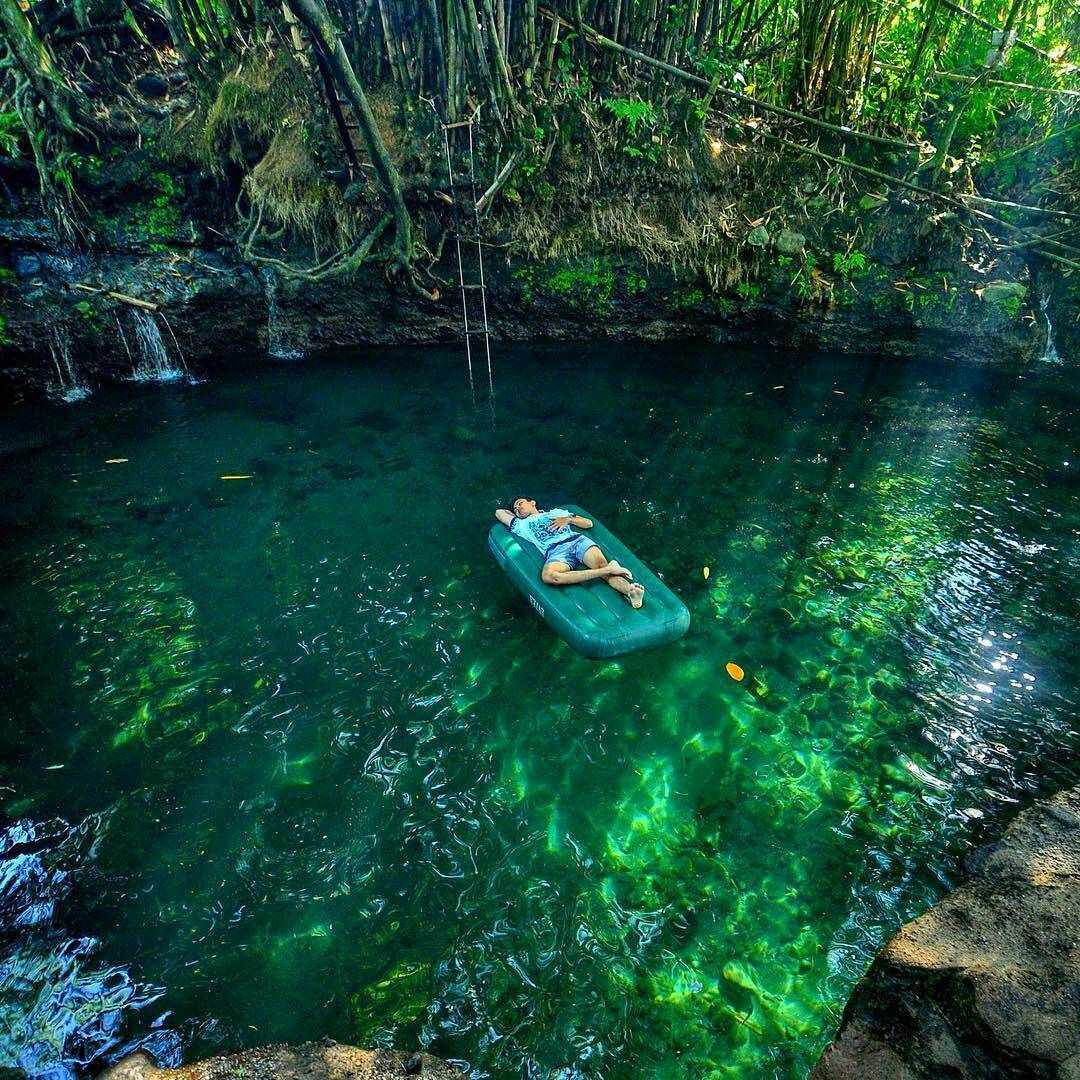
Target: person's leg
{"x": 633, "y": 592}
{"x": 559, "y": 573}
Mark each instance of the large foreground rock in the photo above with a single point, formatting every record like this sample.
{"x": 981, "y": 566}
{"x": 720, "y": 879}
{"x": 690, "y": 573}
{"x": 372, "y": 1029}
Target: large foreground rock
{"x": 325, "y": 1060}
{"x": 987, "y": 983}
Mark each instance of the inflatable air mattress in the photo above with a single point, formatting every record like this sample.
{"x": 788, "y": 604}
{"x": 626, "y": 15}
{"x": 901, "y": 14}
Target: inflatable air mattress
{"x": 593, "y": 617}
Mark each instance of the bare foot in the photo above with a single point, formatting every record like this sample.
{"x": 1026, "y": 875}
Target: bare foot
{"x": 636, "y": 595}
{"x": 617, "y": 570}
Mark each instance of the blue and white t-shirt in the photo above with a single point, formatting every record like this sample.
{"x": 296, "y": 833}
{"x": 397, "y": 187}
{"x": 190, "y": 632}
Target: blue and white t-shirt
{"x": 535, "y": 529}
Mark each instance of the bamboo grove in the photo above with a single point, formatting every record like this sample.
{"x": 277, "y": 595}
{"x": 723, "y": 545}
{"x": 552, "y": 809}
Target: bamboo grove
{"x": 917, "y": 93}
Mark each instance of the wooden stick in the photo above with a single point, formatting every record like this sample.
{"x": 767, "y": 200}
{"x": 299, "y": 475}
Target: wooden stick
{"x": 504, "y": 174}
{"x": 134, "y": 301}
{"x": 982, "y": 200}
{"x": 89, "y": 31}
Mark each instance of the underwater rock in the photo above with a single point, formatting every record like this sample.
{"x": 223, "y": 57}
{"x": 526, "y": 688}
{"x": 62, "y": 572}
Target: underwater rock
{"x": 326, "y": 1060}
{"x": 987, "y": 982}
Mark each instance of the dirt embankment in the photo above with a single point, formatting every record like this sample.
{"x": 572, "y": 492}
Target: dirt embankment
{"x": 738, "y": 250}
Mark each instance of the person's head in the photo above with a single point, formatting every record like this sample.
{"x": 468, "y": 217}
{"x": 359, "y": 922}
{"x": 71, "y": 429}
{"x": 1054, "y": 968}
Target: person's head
{"x": 523, "y": 507}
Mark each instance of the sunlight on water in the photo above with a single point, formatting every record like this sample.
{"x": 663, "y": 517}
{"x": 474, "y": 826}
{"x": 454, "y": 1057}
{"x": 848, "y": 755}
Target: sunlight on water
{"x": 291, "y": 758}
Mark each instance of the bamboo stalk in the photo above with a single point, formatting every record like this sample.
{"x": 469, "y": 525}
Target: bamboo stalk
{"x": 746, "y": 99}
{"x": 1020, "y": 245}
{"x": 979, "y": 21}
{"x": 315, "y": 17}
{"x": 909, "y": 186}
{"x": 1037, "y": 142}
{"x": 953, "y": 77}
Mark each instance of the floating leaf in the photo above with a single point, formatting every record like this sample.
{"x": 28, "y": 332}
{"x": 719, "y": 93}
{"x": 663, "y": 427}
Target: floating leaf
{"x": 705, "y": 571}
{"x": 735, "y": 671}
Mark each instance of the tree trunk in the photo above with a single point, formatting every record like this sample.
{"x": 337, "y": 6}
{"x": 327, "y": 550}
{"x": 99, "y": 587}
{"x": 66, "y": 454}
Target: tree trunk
{"x": 313, "y": 14}
{"x": 36, "y": 63}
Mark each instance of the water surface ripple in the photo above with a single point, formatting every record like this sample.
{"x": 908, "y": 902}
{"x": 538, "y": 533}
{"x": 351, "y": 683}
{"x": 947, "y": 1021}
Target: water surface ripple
{"x": 287, "y": 757}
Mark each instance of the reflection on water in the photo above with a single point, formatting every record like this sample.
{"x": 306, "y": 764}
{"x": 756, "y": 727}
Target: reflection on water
{"x": 291, "y": 758}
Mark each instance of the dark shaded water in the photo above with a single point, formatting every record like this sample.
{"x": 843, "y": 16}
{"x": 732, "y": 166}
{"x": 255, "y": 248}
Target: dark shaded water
{"x": 286, "y": 756}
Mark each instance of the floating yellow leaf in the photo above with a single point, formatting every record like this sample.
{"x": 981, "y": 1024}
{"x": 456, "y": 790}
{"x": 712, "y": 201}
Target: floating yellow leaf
{"x": 115, "y": 460}
{"x": 705, "y": 571}
{"x": 243, "y": 476}
{"x": 734, "y": 671}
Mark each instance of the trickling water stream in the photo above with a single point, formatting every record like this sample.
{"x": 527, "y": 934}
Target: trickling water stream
{"x": 287, "y": 756}
{"x": 68, "y": 387}
{"x": 154, "y": 362}
{"x": 1050, "y": 354}
{"x": 276, "y": 336}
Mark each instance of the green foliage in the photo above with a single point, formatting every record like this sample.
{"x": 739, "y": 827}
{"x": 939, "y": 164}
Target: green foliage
{"x": 849, "y": 264}
{"x": 634, "y": 114}
{"x": 586, "y": 286}
{"x": 803, "y": 282}
{"x": 64, "y": 168}
{"x": 156, "y": 220}
{"x": 642, "y": 125}
{"x": 684, "y": 298}
{"x": 573, "y": 76}
{"x": 11, "y": 133}
{"x": 89, "y": 315}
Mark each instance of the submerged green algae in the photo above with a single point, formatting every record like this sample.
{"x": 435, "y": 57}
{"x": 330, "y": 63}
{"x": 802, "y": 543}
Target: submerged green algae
{"x": 342, "y": 782}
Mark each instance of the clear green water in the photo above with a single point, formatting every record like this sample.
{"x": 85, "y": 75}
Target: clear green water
{"x": 287, "y": 757}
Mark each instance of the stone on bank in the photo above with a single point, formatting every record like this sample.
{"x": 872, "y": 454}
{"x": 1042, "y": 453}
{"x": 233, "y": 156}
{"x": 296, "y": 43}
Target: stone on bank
{"x": 986, "y": 984}
{"x": 325, "y": 1060}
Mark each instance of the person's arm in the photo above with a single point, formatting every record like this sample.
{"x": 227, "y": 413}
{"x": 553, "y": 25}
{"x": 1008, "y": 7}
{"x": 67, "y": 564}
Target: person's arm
{"x": 568, "y": 519}
{"x": 505, "y": 517}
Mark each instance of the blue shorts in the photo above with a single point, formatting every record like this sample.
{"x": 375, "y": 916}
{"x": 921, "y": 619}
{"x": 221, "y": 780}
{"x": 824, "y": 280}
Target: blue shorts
{"x": 571, "y": 552}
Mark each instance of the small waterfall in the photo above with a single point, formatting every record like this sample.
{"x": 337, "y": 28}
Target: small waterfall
{"x": 123, "y": 338}
{"x": 1051, "y": 355}
{"x": 153, "y": 362}
{"x": 68, "y": 388}
{"x": 275, "y": 336}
